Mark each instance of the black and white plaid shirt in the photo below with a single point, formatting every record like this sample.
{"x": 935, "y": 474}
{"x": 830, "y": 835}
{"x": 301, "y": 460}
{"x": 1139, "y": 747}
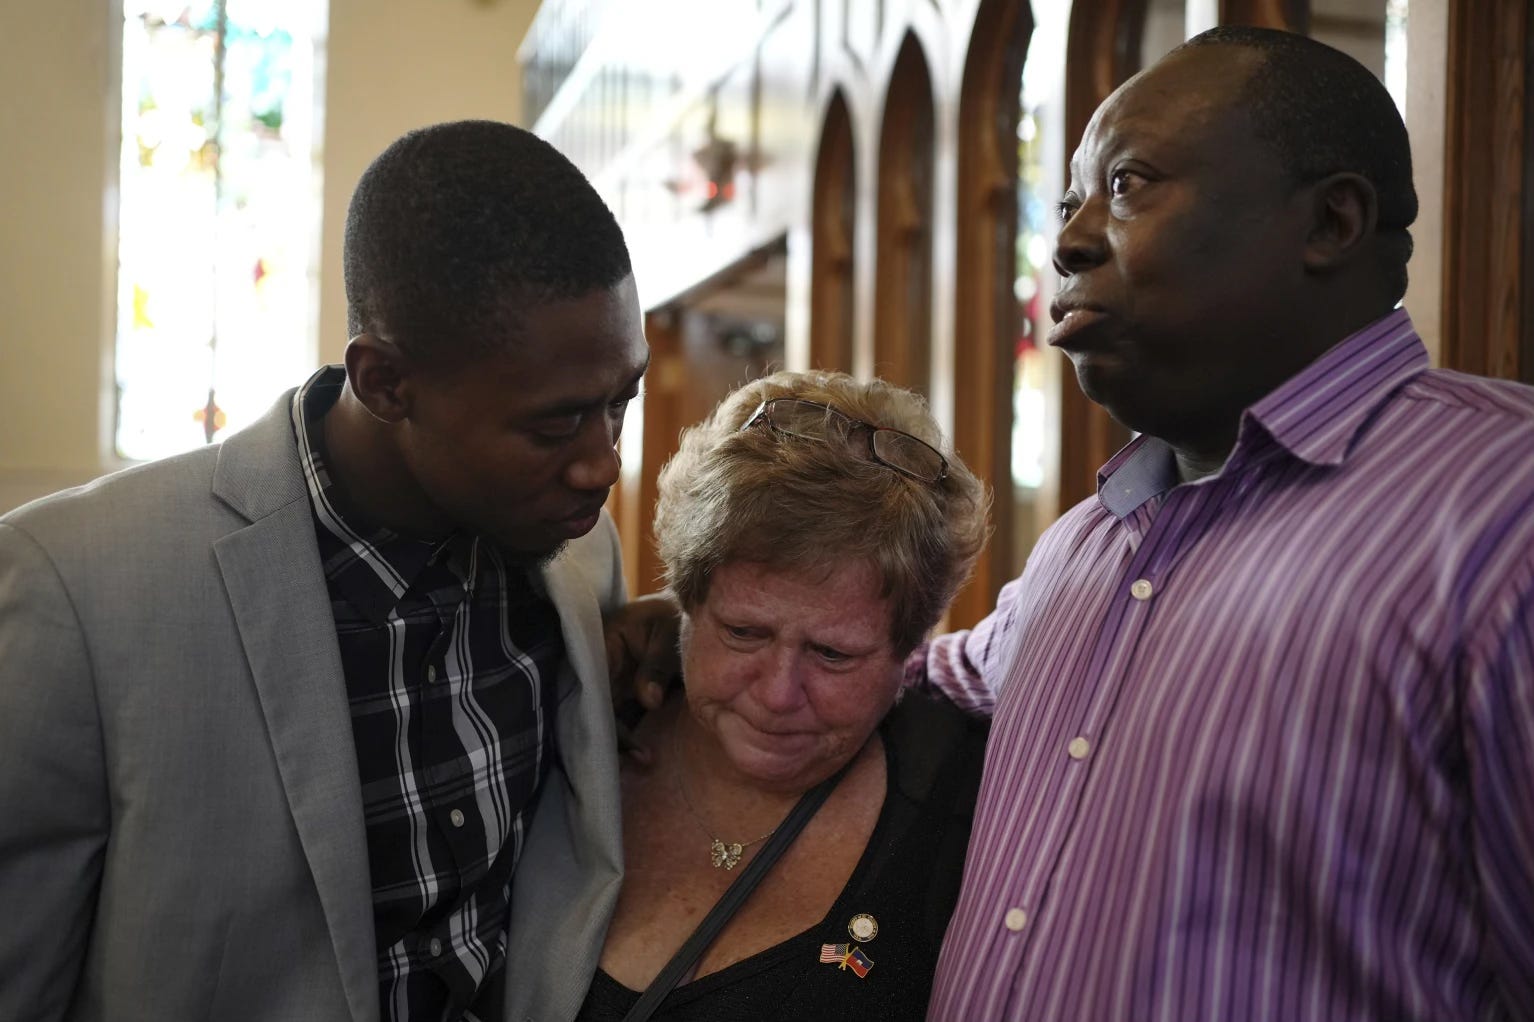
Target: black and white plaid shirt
{"x": 450, "y": 657}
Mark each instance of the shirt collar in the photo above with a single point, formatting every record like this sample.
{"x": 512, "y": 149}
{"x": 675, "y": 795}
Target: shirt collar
{"x": 380, "y": 565}
{"x": 1144, "y": 468}
{"x": 1318, "y": 413}
{"x": 1315, "y": 415}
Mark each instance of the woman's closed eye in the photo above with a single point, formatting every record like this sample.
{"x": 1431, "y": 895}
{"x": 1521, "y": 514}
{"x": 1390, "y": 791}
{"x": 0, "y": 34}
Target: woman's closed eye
{"x": 830, "y": 654}
{"x": 741, "y": 635}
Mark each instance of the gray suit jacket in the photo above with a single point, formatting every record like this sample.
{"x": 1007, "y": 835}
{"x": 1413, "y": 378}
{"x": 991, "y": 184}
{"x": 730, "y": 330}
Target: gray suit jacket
{"x": 181, "y": 832}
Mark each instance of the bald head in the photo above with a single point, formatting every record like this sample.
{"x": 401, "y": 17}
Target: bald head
{"x": 1324, "y": 113}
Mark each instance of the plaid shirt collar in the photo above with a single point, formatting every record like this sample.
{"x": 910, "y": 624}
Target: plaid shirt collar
{"x": 377, "y": 566}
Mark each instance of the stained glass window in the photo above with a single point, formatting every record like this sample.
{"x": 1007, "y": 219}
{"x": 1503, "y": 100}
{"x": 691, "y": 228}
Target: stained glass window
{"x": 1039, "y": 186}
{"x": 219, "y": 208}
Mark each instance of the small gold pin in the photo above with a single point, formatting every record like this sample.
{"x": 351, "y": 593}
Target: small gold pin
{"x": 863, "y": 927}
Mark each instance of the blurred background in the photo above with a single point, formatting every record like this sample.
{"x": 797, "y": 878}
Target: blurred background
{"x": 852, "y": 184}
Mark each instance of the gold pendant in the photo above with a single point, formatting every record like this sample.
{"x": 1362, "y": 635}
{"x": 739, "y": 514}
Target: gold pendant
{"x": 725, "y": 856}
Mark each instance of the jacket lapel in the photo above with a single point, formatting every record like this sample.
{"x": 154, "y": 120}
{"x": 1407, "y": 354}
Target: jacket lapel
{"x": 276, "y": 588}
{"x": 567, "y": 881}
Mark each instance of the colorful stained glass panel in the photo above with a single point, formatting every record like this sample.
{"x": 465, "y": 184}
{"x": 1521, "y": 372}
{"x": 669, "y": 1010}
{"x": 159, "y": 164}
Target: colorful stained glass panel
{"x": 218, "y": 216}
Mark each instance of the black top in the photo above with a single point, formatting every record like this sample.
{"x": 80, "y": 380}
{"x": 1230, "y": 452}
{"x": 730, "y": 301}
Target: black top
{"x": 907, "y": 879}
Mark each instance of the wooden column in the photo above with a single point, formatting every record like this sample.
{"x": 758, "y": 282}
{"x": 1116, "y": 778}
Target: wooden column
{"x": 1488, "y": 180}
{"x": 985, "y": 310}
{"x": 633, "y": 500}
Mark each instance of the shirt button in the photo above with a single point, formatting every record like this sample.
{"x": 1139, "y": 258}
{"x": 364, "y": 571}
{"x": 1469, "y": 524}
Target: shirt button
{"x": 431, "y": 672}
{"x": 1141, "y": 589}
{"x": 457, "y": 817}
{"x": 1078, "y": 748}
{"x": 435, "y": 947}
{"x": 1016, "y": 919}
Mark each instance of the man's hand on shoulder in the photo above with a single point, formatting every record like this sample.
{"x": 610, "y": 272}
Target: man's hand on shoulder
{"x": 644, "y": 662}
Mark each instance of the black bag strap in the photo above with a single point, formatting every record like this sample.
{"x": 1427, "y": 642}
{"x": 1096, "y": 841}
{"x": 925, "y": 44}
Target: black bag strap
{"x": 734, "y": 896}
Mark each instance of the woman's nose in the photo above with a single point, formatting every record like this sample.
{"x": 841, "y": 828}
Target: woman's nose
{"x": 780, "y": 686}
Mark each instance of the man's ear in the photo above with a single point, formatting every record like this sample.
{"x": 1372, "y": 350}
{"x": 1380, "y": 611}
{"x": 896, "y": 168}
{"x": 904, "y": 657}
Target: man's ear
{"x": 1344, "y": 213}
{"x": 376, "y": 371}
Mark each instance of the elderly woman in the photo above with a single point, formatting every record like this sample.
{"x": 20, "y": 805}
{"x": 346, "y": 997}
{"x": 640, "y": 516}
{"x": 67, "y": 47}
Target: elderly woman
{"x": 813, "y": 531}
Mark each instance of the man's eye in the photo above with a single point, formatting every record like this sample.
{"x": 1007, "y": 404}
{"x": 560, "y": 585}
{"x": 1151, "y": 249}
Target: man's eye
{"x": 561, "y": 427}
{"x": 1121, "y": 182}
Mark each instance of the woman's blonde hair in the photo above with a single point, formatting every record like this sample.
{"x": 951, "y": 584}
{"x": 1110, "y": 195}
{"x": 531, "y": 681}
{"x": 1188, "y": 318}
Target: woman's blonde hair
{"x": 761, "y": 496}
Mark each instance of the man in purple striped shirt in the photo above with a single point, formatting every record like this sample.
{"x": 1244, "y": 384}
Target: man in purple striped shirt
{"x": 1264, "y": 707}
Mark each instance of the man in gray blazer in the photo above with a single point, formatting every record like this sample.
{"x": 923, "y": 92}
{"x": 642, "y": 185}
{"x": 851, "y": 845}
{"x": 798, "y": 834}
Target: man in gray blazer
{"x": 275, "y": 715}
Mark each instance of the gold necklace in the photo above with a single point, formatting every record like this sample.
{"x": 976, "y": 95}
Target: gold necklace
{"x": 723, "y": 854}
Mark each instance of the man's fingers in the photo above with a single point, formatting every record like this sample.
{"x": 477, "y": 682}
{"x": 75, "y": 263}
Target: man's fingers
{"x": 650, "y": 692}
{"x": 659, "y": 668}
{"x": 640, "y": 640}
{"x": 619, "y": 664}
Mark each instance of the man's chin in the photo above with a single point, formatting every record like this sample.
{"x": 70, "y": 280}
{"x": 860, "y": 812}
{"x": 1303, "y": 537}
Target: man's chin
{"x": 1102, "y": 379}
{"x": 538, "y": 544}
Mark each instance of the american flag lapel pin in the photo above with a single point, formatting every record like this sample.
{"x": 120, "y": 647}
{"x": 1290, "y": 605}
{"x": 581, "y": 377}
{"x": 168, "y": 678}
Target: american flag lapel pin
{"x": 834, "y": 953}
{"x": 847, "y": 956}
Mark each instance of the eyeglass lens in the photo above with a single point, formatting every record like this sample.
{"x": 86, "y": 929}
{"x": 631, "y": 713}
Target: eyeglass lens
{"x": 894, "y": 448}
{"x": 905, "y": 452}
{"x": 806, "y": 419}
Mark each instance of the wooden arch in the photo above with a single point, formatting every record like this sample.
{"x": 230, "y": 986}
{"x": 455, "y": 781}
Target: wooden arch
{"x": 903, "y": 280}
{"x": 833, "y": 226}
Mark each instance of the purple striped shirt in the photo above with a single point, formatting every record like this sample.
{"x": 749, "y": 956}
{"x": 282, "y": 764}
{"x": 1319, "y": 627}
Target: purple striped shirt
{"x": 1264, "y": 742}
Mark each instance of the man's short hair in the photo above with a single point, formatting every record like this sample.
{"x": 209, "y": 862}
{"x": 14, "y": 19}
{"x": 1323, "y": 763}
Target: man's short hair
{"x": 1324, "y": 113}
{"x": 455, "y": 226}
{"x": 731, "y": 495}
